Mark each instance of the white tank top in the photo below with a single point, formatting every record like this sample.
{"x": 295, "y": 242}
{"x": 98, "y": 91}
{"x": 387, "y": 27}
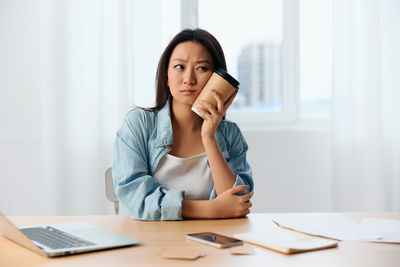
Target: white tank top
{"x": 190, "y": 174}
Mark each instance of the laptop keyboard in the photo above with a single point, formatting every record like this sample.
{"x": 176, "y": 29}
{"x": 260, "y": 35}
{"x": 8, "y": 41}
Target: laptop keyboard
{"x": 54, "y": 238}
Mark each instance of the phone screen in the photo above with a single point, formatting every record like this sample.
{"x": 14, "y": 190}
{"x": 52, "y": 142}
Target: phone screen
{"x": 220, "y": 240}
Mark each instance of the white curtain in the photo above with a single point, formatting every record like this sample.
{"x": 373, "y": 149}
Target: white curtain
{"x": 366, "y": 105}
{"x": 69, "y": 72}
{"x": 85, "y": 89}
{"x": 68, "y": 81}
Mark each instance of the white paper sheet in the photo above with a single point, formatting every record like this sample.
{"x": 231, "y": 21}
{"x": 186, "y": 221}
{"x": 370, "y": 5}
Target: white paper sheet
{"x": 388, "y": 230}
{"x": 340, "y": 228}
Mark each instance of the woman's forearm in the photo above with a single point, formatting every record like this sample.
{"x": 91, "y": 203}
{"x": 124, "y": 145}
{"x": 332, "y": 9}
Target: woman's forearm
{"x": 222, "y": 174}
{"x": 197, "y": 209}
{"x": 226, "y": 205}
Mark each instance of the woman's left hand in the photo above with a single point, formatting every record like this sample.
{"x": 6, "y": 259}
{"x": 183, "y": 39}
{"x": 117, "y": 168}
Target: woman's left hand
{"x": 213, "y": 115}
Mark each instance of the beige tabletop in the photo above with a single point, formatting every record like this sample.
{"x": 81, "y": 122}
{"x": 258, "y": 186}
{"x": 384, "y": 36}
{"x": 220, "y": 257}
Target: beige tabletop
{"x": 156, "y": 236}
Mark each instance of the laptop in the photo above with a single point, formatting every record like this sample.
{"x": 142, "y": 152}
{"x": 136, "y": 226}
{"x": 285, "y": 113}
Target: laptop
{"x": 69, "y": 238}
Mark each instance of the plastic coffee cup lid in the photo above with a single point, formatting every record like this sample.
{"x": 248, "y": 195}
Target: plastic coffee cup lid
{"x": 221, "y": 72}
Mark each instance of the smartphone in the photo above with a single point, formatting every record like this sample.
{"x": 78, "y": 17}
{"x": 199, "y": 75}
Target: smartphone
{"x": 215, "y": 240}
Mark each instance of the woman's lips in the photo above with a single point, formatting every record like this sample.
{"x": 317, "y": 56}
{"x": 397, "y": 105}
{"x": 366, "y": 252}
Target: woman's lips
{"x": 188, "y": 91}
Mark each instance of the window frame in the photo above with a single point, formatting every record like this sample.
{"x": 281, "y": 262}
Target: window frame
{"x": 290, "y": 70}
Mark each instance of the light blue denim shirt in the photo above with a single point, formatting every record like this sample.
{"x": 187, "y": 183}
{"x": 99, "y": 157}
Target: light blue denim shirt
{"x": 143, "y": 139}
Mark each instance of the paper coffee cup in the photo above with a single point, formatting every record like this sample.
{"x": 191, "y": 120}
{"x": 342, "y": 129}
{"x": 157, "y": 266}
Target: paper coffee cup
{"x": 220, "y": 81}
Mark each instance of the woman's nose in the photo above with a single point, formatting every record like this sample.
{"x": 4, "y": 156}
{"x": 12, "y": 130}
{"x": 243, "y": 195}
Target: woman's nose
{"x": 190, "y": 77}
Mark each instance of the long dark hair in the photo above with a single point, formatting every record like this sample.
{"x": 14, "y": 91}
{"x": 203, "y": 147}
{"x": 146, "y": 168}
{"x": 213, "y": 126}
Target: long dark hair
{"x": 196, "y": 35}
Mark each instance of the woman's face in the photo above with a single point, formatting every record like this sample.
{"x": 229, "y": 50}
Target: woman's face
{"x": 189, "y": 69}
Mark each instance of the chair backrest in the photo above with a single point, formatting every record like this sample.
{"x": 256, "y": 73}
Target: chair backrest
{"x": 110, "y": 193}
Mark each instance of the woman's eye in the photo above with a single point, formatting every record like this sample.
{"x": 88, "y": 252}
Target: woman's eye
{"x": 180, "y": 67}
{"x": 203, "y": 68}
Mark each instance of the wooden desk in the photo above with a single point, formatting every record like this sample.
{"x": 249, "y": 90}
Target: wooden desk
{"x": 158, "y": 235}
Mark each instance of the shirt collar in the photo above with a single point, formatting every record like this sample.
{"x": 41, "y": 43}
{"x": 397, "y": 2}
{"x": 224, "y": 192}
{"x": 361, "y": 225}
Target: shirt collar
{"x": 164, "y": 126}
{"x": 165, "y": 136}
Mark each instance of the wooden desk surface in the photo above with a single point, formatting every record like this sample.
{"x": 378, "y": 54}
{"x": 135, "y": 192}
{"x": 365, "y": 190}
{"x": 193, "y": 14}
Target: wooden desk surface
{"x": 156, "y": 236}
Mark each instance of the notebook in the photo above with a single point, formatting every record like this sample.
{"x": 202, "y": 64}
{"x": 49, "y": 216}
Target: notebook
{"x": 286, "y": 241}
{"x": 63, "y": 239}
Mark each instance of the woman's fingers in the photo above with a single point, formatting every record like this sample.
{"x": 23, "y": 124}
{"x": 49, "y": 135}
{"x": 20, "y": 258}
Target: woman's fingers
{"x": 218, "y": 98}
{"x": 248, "y": 196}
{"x": 238, "y": 189}
{"x": 231, "y": 205}
{"x": 203, "y": 111}
{"x": 229, "y": 101}
{"x": 248, "y": 205}
{"x": 220, "y": 108}
{"x": 210, "y": 108}
{"x": 244, "y": 213}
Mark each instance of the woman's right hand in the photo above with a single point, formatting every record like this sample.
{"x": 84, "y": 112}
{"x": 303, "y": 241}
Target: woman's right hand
{"x": 230, "y": 205}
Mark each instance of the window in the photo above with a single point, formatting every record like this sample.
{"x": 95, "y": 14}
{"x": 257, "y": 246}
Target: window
{"x": 315, "y": 58}
{"x": 270, "y": 47}
{"x": 260, "y": 42}
{"x": 252, "y": 49}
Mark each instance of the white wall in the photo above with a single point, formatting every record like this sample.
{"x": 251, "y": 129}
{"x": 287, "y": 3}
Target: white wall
{"x": 292, "y": 170}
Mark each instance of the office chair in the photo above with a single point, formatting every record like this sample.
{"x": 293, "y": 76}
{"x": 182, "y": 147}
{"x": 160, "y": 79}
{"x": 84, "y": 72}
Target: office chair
{"x": 110, "y": 193}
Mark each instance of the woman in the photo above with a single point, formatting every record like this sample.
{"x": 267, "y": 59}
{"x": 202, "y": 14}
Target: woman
{"x": 171, "y": 164}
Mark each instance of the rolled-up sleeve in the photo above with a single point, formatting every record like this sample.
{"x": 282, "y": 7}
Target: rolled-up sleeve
{"x": 142, "y": 194}
{"x": 235, "y": 154}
